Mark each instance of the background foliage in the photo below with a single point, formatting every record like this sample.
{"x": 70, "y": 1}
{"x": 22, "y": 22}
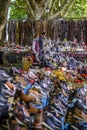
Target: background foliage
{"x": 59, "y": 8}
{"x": 79, "y": 10}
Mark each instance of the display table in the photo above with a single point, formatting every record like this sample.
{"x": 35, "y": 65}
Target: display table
{"x": 79, "y": 55}
{"x": 13, "y": 55}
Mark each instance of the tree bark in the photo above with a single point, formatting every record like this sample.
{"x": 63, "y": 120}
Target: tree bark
{"x": 4, "y": 5}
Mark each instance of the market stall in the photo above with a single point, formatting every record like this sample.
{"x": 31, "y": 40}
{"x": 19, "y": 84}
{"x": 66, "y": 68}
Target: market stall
{"x": 46, "y": 97}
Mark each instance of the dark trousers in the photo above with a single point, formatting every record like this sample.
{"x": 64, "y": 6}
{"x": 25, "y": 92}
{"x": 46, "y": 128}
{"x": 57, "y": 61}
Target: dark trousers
{"x": 1, "y": 58}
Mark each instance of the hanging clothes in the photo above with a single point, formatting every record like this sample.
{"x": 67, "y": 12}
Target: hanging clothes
{"x": 55, "y": 29}
{"x": 13, "y": 31}
{"x": 50, "y": 29}
{"x": 80, "y": 26}
{"x": 21, "y": 32}
{"x": 60, "y": 30}
{"x": 17, "y": 33}
{"x": 38, "y": 27}
{"x": 66, "y": 29}
{"x": 27, "y": 32}
{"x": 71, "y": 30}
{"x": 85, "y": 32}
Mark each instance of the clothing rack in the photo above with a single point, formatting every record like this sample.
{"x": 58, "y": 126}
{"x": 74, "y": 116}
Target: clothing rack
{"x": 64, "y": 28}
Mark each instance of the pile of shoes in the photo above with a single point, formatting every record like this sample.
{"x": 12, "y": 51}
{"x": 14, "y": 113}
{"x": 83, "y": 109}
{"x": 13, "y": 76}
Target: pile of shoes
{"x": 56, "y": 114}
{"x": 24, "y": 96}
{"x": 42, "y": 98}
{"x": 77, "y": 111}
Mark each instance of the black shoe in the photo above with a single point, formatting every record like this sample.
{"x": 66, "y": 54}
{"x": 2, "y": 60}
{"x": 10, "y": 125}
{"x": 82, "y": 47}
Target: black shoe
{"x": 4, "y": 111}
{"x": 77, "y": 127}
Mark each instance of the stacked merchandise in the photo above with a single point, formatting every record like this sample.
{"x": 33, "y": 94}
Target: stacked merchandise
{"x": 14, "y": 53}
{"x": 44, "y": 98}
{"x": 85, "y": 31}
{"x": 21, "y": 32}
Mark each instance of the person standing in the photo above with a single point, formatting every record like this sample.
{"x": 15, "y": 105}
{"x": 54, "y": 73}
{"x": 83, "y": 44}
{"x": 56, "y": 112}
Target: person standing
{"x": 35, "y": 47}
{"x": 42, "y": 43}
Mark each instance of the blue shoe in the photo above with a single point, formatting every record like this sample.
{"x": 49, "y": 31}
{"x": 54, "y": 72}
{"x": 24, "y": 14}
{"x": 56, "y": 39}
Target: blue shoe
{"x": 52, "y": 116}
{"x": 3, "y": 101}
{"x": 63, "y": 102}
{"x": 7, "y": 92}
{"x": 51, "y": 124}
{"x": 57, "y": 110}
{"x": 82, "y": 106}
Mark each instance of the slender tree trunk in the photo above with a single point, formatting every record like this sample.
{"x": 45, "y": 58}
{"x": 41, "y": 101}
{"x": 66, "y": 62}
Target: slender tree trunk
{"x": 4, "y": 5}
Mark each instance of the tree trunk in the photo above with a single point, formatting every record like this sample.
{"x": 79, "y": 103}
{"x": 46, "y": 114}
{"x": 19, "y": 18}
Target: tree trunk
{"x": 4, "y": 5}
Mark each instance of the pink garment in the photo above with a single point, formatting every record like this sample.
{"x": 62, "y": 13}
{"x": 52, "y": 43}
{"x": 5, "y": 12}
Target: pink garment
{"x": 35, "y": 47}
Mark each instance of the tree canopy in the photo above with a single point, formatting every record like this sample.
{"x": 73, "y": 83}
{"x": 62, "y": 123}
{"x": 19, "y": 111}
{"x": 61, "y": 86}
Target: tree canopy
{"x": 48, "y": 9}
